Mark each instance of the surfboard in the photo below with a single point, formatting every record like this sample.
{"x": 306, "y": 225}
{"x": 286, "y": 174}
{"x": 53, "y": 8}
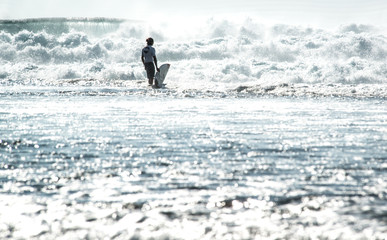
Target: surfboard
{"x": 160, "y": 76}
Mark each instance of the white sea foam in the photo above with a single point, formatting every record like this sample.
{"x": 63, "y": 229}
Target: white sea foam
{"x": 218, "y": 55}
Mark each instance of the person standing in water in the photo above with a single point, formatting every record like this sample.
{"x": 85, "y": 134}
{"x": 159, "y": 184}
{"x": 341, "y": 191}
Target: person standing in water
{"x": 148, "y": 57}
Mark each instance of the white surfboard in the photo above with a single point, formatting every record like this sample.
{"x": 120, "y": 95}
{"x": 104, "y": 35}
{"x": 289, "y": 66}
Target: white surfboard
{"x": 160, "y": 76}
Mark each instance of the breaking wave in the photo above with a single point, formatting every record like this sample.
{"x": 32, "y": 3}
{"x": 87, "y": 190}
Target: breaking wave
{"x": 221, "y": 55}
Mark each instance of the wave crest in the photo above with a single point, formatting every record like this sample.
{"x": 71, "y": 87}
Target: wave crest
{"x": 222, "y": 54}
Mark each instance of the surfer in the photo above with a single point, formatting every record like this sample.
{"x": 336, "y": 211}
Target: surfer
{"x": 149, "y": 60}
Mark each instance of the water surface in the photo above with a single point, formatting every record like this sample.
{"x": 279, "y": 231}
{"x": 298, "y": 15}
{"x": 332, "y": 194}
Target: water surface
{"x": 90, "y": 162}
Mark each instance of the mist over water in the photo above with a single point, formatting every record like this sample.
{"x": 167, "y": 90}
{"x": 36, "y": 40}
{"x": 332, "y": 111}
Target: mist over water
{"x": 213, "y": 54}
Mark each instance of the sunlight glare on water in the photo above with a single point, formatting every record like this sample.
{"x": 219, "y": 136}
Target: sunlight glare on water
{"x": 117, "y": 165}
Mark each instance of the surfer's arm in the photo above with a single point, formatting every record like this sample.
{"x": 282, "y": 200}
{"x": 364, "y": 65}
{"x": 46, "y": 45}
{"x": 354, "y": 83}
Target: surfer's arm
{"x": 155, "y": 59}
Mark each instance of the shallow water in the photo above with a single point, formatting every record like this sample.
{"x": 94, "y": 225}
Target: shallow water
{"x": 92, "y": 163}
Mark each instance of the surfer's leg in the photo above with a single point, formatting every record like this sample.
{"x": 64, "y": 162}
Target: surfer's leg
{"x": 150, "y": 72}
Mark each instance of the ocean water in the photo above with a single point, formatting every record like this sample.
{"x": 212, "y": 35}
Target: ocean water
{"x": 262, "y": 132}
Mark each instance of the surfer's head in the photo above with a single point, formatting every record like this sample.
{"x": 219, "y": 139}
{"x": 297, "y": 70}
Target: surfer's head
{"x": 149, "y": 41}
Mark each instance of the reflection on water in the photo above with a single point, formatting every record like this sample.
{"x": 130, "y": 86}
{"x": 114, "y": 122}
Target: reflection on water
{"x": 124, "y": 166}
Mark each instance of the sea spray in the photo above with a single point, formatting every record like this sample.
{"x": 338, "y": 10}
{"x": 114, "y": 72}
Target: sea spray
{"x": 223, "y": 55}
